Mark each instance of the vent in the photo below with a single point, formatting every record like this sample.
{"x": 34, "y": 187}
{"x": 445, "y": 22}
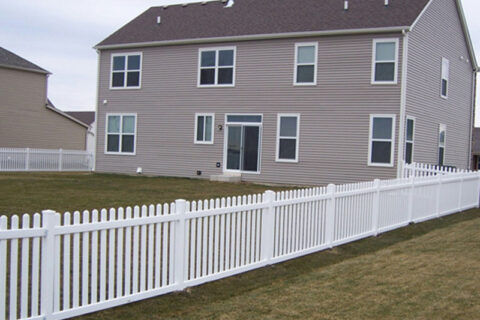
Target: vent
{"x": 230, "y": 3}
{"x": 159, "y": 20}
{"x": 386, "y": 3}
{"x": 345, "y": 6}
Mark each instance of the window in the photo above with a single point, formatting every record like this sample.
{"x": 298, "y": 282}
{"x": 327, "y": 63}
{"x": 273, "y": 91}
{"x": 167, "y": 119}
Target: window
{"x": 385, "y": 61}
{"x": 441, "y": 144}
{"x": 204, "y": 128}
{"x": 445, "y": 74}
{"x": 410, "y": 136}
{"x": 126, "y": 71}
{"x": 381, "y": 146}
{"x": 305, "y": 64}
{"x": 287, "y": 137}
{"x": 217, "y": 67}
{"x": 121, "y": 131}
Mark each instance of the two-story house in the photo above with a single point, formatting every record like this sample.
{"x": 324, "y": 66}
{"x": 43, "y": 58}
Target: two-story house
{"x": 28, "y": 119}
{"x": 287, "y": 91}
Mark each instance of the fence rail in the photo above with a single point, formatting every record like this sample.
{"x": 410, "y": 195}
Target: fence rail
{"x": 27, "y": 159}
{"x": 56, "y": 266}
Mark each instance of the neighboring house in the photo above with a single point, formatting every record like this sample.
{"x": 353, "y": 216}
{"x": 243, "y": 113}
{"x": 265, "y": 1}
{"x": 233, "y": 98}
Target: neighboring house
{"x": 476, "y": 149}
{"x": 287, "y": 91}
{"x": 28, "y": 119}
{"x": 87, "y": 117}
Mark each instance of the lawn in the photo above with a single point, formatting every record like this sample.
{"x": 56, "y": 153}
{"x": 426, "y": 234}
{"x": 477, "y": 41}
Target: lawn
{"x": 33, "y": 192}
{"x": 425, "y": 271}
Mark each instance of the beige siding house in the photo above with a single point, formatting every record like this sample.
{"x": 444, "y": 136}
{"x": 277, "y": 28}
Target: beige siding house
{"x": 287, "y": 91}
{"x": 27, "y": 118}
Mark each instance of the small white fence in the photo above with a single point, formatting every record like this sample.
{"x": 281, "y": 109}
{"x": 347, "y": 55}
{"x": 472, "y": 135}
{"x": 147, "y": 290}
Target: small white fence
{"x": 27, "y": 159}
{"x": 54, "y": 267}
{"x": 424, "y": 170}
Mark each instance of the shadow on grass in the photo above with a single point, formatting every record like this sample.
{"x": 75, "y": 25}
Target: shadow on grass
{"x": 184, "y": 304}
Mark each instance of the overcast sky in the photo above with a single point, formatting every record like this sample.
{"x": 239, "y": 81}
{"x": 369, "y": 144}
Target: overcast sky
{"x": 58, "y": 35}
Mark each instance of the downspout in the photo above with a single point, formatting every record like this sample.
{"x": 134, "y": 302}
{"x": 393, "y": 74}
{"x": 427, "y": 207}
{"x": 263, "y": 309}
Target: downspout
{"x": 403, "y": 106}
{"x": 96, "y": 112}
{"x": 470, "y": 164}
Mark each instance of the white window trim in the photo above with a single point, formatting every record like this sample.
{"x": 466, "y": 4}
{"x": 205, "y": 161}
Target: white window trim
{"x": 120, "y": 153}
{"x": 442, "y": 127}
{"x": 260, "y": 141}
{"x": 447, "y": 62}
{"x": 195, "y": 141}
{"x": 297, "y": 137}
{"x": 413, "y": 136}
{"x": 296, "y": 64}
{"x": 216, "y": 49}
{"x": 392, "y": 140}
{"x": 374, "y": 61}
{"x": 126, "y": 55}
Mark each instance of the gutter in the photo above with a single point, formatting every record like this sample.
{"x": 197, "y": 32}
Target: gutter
{"x": 67, "y": 116}
{"x": 268, "y": 36}
{"x": 6, "y": 66}
{"x": 403, "y": 106}
{"x": 470, "y": 165}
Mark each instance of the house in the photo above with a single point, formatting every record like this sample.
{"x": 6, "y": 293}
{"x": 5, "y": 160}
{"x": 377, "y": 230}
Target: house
{"x": 87, "y": 117}
{"x": 28, "y": 119}
{"x": 476, "y": 149}
{"x": 287, "y": 91}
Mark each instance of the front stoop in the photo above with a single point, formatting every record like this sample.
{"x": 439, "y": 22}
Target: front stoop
{"x": 228, "y": 177}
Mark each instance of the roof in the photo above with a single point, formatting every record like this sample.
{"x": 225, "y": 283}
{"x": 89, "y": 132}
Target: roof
{"x": 9, "y": 59}
{"x": 254, "y": 17}
{"x": 51, "y": 106}
{"x": 87, "y": 117}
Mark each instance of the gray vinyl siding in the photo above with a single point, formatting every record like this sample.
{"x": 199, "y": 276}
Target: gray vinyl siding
{"x": 335, "y": 114}
{"x": 25, "y": 122}
{"x": 439, "y": 34}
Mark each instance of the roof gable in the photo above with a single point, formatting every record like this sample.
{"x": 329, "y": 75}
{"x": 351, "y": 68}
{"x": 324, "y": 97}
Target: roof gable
{"x": 254, "y": 17}
{"x": 9, "y": 59}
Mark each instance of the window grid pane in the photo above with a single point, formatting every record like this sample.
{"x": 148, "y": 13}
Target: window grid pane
{"x": 385, "y": 51}
{"x": 200, "y": 128}
{"x": 306, "y": 54}
{"x": 288, "y": 127}
{"x": 382, "y": 128}
{"x": 208, "y": 128}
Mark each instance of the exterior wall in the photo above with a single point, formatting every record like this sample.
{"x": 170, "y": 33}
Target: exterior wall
{"x": 335, "y": 114}
{"x": 439, "y": 34}
{"x": 25, "y": 122}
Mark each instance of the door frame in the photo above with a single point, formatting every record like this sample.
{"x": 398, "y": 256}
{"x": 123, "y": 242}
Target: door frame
{"x": 242, "y": 124}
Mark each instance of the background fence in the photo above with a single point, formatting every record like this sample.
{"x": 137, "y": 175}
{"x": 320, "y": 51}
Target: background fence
{"x": 56, "y": 266}
{"x": 26, "y": 159}
{"x": 424, "y": 170}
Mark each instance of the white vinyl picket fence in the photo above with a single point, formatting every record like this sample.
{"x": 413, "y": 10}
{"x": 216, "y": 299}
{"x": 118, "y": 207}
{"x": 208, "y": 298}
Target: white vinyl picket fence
{"x": 27, "y": 159}
{"x": 56, "y": 266}
{"x": 423, "y": 170}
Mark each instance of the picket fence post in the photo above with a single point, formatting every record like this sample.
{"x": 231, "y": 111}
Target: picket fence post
{"x": 410, "y": 198}
{"x": 48, "y": 263}
{"x": 27, "y": 159}
{"x": 478, "y": 189}
{"x": 60, "y": 159}
{"x": 376, "y": 206}
{"x": 180, "y": 209}
{"x": 460, "y": 191}
{"x": 268, "y": 225}
{"x": 439, "y": 188}
{"x": 330, "y": 216}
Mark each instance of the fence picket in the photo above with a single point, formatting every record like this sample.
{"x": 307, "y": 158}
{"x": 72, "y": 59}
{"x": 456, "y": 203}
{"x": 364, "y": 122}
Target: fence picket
{"x": 25, "y": 263}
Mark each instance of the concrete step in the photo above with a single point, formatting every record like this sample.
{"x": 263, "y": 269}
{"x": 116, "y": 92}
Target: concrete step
{"x": 228, "y": 177}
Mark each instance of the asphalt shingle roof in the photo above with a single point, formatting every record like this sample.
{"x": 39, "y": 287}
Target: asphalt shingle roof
{"x": 10, "y": 59}
{"x": 255, "y": 17}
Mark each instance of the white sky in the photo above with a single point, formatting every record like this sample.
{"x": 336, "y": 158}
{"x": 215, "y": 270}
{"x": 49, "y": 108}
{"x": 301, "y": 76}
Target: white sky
{"x": 58, "y": 35}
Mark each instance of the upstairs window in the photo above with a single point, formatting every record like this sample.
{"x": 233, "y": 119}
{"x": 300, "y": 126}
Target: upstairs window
{"x": 121, "y": 132}
{"x": 409, "y": 138}
{"x": 126, "y": 71}
{"x": 287, "y": 137}
{"x": 217, "y": 67}
{"x": 385, "y": 61}
{"x": 381, "y": 145}
{"x": 445, "y": 74}
{"x": 204, "y": 128}
{"x": 306, "y": 63}
{"x": 441, "y": 144}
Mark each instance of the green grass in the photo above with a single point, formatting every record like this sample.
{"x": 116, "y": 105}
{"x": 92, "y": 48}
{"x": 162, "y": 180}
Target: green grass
{"x": 33, "y": 192}
{"x": 425, "y": 271}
